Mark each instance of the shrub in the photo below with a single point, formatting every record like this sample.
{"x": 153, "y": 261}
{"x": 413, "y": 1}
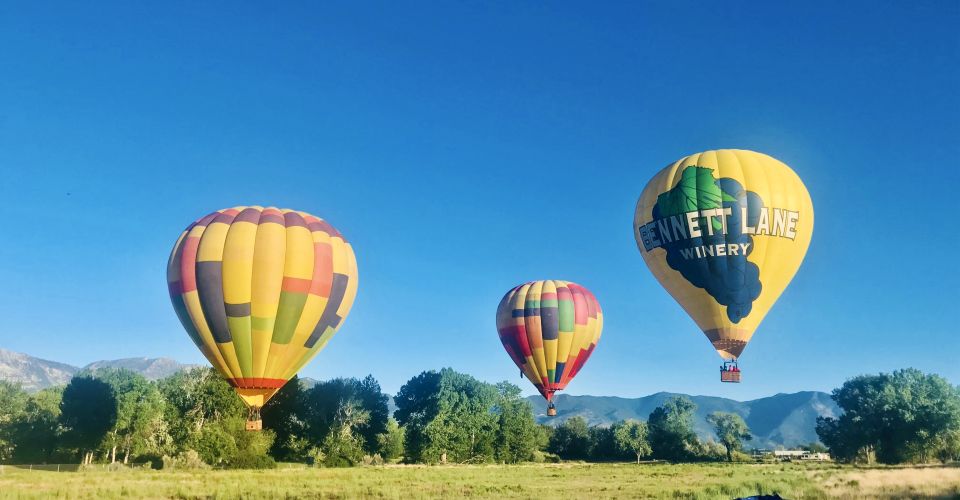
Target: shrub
{"x": 549, "y": 458}
{"x": 337, "y": 461}
{"x": 248, "y": 460}
{"x": 709, "y": 450}
{"x": 148, "y": 461}
{"x": 316, "y": 456}
{"x": 185, "y": 460}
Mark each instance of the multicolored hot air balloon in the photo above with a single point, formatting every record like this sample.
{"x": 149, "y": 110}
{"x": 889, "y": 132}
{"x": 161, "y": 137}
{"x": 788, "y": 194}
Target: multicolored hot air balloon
{"x": 549, "y": 329}
{"x": 261, "y": 291}
{"x": 724, "y": 232}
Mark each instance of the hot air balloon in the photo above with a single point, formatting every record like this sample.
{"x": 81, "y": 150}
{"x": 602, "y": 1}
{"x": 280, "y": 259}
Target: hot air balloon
{"x": 724, "y": 232}
{"x": 549, "y": 329}
{"x": 261, "y": 291}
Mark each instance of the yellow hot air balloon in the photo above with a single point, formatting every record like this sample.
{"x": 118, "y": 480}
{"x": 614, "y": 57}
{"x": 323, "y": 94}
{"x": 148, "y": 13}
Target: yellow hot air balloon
{"x": 724, "y": 232}
{"x": 261, "y": 291}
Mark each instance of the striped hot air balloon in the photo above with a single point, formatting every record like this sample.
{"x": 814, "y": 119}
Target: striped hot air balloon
{"x": 549, "y": 329}
{"x": 261, "y": 291}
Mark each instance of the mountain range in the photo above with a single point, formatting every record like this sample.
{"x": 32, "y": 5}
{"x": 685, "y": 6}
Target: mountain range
{"x": 786, "y": 420}
{"x": 34, "y": 374}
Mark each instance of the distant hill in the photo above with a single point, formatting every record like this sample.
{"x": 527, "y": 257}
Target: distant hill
{"x": 34, "y": 374}
{"x": 308, "y": 382}
{"x": 151, "y": 368}
{"x": 785, "y": 420}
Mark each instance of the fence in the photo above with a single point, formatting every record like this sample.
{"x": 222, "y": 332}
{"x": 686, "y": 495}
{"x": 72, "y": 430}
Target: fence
{"x": 43, "y": 467}
{"x": 65, "y": 467}
{"x": 112, "y": 467}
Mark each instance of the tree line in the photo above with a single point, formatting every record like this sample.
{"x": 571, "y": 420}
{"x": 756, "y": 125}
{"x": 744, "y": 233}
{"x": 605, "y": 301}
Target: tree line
{"x": 668, "y": 434}
{"x": 194, "y": 419}
{"x": 904, "y": 416}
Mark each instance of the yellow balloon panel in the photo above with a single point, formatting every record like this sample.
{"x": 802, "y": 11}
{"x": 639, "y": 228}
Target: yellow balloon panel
{"x": 261, "y": 291}
{"x": 724, "y": 232}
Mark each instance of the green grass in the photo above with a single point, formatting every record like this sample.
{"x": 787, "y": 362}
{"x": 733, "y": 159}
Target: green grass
{"x": 591, "y": 481}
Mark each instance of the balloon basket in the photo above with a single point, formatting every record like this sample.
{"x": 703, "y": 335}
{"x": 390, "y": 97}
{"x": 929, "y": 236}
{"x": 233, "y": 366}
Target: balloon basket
{"x": 730, "y": 372}
{"x": 253, "y": 420}
{"x": 551, "y": 410}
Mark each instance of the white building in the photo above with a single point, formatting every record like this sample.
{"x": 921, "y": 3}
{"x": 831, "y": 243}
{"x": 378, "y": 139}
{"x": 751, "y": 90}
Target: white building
{"x": 800, "y": 455}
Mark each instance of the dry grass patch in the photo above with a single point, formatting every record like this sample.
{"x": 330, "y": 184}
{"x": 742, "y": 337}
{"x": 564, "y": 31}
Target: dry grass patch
{"x": 891, "y": 482}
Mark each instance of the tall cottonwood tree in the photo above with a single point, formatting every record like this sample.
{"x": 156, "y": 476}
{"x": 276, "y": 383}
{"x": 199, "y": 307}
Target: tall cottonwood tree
{"x": 670, "y": 429}
{"x": 631, "y": 437}
{"x": 88, "y": 411}
{"x": 322, "y": 403}
{"x": 447, "y": 417}
{"x": 516, "y": 432}
{"x": 898, "y": 417}
{"x": 141, "y": 427}
{"x": 731, "y": 430}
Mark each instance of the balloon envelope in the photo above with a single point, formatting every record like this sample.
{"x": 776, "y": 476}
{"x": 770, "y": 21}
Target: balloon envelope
{"x": 724, "y": 232}
{"x": 549, "y": 329}
{"x": 260, "y": 291}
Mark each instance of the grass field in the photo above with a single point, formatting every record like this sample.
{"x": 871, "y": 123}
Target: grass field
{"x": 524, "y": 481}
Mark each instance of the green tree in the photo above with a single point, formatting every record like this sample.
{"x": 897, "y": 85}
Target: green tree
{"x": 87, "y": 412}
{"x": 670, "y": 429}
{"x": 252, "y": 448}
{"x": 13, "y": 406}
{"x": 37, "y": 433}
{"x": 897, "y": 417}
{"x": 731, "y": 430}
{"x": 207, "y": 416}
{"x": 323, "y": 401}
{"x": 214, "y": 442}
{"x": 140, "y": 427}
{"x": 948, "y": 446}
{"x": 631, "y": 437}
{"x": 846, "y": 442}
{"x": 418, "y": 403}
{"x": 284, "y": 415}
{"x": 447, "y": 416}
{"x": 390, "y": 443}
{"x": 465, "y": 426}
{"x": 195, "y": 398}
{"x": 516, "y": 434}
{"x": 603, "y": 444}
{"x": 343, "y": 446}
{"x": 542, "y": 437}
{"x": 571, "y": 439}
{"x": 815, "y": 447}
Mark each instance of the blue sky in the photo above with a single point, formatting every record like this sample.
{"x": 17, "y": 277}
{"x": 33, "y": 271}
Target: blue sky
{"x": 466, "y": 148}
